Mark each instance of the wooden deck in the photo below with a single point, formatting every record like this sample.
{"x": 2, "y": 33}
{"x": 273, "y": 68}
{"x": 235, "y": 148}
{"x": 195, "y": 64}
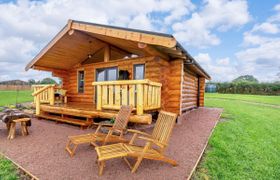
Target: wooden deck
{"x": 83, "y": 114}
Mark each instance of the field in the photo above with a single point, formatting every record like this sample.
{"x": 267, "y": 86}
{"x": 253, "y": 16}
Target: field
{"x": 11, "y": 97}
{"x": 274, "y": 100}
{"x": 245, "y": 144}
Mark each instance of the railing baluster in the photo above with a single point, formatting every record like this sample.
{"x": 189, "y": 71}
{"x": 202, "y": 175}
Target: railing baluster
{"x": 104, "y": 95}
{"x": 111, "y": 96}
{"x": 132, "y": 95}
{"x": 117, "y": 95}
{"x": 124, "y": 95}
{"x": 140, "y": 108}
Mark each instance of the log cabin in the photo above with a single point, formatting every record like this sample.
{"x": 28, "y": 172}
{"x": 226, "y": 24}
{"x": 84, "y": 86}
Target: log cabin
{"x": 103, "y": 67}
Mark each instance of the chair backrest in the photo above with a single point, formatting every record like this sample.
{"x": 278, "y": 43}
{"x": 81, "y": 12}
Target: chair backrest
{"x": 122, "y": 117}
{"x": 164, "y": 126}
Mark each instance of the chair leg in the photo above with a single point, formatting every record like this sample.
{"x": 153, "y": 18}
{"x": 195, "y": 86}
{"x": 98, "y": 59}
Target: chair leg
{"x": 70, "y": 150}
{"x": 168, "y": 160}
{"x": 136, "y": 165}
{"x": 101, "y": 167}
{"x": 127, "y": 162}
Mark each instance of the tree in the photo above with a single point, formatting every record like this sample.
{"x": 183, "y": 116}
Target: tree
{"x": 246, "y": 78}
{"x": 48, "y": 81}
{"x": 31, "y": 81}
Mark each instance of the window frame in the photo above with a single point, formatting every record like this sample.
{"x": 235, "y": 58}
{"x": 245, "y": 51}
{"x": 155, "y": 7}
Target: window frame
{"x": 79, "y": 80}
{"x": 134, "y": 70}
{"x": 106, "y": 72}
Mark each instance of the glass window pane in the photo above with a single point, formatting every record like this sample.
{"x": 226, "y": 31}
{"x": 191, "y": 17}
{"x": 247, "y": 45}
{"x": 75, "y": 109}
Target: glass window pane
{"x": 100, "y": 75}
{"x": 112, "y": 74}
{"x": 81, "y": 77}
{"x": 139, "y": 71}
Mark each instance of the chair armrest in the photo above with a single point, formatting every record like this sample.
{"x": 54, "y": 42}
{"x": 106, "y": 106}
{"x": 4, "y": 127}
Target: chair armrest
{"x": 161, "y": 145}
{"x": 138, "y": 132}
{"x": 99, "y": 125}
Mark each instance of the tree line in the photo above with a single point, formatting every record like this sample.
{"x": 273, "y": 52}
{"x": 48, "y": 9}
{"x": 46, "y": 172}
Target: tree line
{"x": 248, "y": 85}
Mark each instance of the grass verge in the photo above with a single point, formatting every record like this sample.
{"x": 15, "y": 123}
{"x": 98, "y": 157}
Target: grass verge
{"x": 245, "y": 145}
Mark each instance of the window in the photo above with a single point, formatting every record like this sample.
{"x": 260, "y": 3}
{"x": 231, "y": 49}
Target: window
{"x": 81, "y": 79}
{"x": 107, "y": 74}
{"x": 139, "y": 71}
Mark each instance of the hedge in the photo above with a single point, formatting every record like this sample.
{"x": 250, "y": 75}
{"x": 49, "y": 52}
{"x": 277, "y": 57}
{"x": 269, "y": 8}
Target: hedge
{"x": 249, "y": 88}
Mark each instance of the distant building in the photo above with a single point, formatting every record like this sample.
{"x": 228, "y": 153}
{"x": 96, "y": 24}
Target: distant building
{"x": 211, "y": 88}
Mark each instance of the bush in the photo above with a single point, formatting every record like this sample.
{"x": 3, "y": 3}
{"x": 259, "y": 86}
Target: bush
{"x": 249, "y": 88}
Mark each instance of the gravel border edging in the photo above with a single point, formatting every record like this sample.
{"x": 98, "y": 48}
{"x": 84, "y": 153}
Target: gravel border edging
{"x": 32, "y": 177}
{"x": 204, "y": 148}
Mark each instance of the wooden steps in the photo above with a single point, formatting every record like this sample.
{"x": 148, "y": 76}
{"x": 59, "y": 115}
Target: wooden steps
{"x": 82, "y": 123}
{"x": 78, "y": 113}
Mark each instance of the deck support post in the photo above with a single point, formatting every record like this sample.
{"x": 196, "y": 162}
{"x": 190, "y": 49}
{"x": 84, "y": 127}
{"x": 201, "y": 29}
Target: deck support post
{"x": 51, "y": 95}
{"x": 99, "y": 97}
{"x": 139, "y": 106}
{"x": 37, "y": 105}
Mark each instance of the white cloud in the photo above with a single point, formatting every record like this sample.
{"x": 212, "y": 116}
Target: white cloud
{"x": 219, "y": 15}
{"x": 219, "y": 69}
{"x": 266, "y": 27}
{"x": 261, "y": 56}
{"x": 223, "y": 61}
{"x": 203, "y": 58}
{"x": 27, "y": 26}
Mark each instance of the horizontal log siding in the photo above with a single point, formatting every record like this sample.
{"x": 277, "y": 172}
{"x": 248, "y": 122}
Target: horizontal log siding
{"x": 189, "y": 91}
{"x": 173, "y": 77}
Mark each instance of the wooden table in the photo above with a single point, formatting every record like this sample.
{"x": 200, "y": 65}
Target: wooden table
{"x": 12, "y": 127}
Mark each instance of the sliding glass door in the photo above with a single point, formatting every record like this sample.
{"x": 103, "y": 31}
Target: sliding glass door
{"x": 106, "y": 74}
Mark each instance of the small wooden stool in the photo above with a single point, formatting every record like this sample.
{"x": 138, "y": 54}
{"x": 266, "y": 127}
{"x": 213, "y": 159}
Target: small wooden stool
{"x": 12, "y": 127}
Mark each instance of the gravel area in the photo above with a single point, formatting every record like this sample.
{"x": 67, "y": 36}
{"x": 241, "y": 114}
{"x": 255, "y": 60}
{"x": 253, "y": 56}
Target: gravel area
{"x": 42, "y": 152}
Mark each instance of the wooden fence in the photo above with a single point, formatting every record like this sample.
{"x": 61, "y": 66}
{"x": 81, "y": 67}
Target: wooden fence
{"x": 14, "y": 87}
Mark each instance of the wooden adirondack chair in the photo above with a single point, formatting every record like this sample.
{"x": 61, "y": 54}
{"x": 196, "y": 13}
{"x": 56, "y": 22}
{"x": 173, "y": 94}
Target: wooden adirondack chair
{"x": 159, "y": 137}
{"x": 119, "y": 126}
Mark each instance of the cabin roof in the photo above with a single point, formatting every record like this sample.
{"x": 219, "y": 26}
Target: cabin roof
{"x": 74, "y": 42}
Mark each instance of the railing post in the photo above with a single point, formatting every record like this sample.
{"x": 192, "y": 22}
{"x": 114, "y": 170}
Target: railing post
{"x": 140, "y": 98}
{"x": 51, "y": 95}
{"x": 99, "y": 97}
{"x": 37, "y": 105}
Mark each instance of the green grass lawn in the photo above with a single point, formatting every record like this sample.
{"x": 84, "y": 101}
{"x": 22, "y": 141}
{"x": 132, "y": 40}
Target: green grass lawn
{"x": 9, "y": 97}
{"x": 7, "y": 170}
{"x": 246, "y": 144}
{"x": 275, "y": 100}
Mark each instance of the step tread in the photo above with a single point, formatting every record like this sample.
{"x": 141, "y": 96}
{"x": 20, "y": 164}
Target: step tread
{"x": 66, "y": 119}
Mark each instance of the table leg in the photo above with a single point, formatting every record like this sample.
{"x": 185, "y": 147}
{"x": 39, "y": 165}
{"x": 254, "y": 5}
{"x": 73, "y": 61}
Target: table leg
{"x": 12, "y": 131}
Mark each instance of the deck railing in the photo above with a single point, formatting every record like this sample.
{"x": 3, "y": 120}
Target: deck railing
{"x": 43, "y": 94}
{"x": 143, "y": 95}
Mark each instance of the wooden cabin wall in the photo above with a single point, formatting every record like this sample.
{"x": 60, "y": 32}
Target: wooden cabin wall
{"x": 179, "y": 85}
{"x": 156, "y": 69}
{"x": 189, "y": 91}
{"x": 174, "y": 79}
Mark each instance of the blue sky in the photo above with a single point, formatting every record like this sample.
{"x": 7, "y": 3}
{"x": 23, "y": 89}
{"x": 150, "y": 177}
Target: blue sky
{"x": 228, "y": 38}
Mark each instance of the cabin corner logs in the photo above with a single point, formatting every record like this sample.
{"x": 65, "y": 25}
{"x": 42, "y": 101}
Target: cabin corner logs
{"x": 179, "y": 91}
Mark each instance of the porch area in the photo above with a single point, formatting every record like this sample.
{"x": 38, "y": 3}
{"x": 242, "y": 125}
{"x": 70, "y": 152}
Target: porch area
{"x": 143, "y": 95}
{"x": 44, "y": 155}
